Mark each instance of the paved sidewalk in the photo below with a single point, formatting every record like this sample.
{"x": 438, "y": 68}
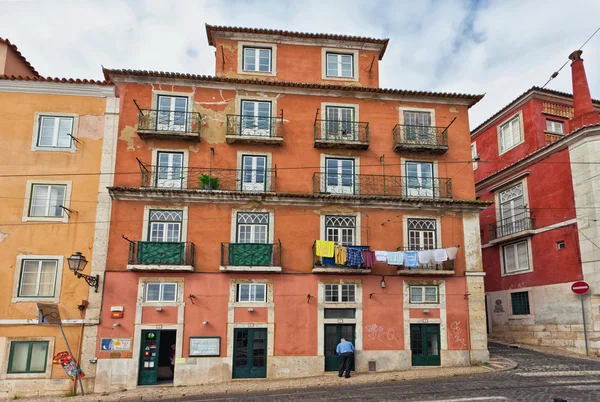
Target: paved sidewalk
{"x": 546, "y": 349}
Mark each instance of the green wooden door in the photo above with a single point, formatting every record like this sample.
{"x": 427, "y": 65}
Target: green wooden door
{"x": 333, "y": 334}
{"x": 425, "y": 344}
{"x": 149, "y": 349}
{"x": 250, "y": 353}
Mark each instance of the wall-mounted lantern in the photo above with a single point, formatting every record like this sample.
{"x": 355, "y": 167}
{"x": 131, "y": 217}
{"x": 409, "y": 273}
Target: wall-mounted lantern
{"x": 77, "y": 263}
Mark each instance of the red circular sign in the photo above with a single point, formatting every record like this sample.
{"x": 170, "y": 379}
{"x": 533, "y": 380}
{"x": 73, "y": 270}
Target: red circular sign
{"x": 580, "y": 287}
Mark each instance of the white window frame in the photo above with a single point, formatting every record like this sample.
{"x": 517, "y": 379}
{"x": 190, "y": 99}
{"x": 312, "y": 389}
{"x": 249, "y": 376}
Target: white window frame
{"x": 142, "y": 286}
{"x": 260, "y": 45}
{"x": 240, "y": 159}
{"x": 431, "y": 111}
{"x": 4, "y": 375}
{"x": 29, "y": 192}
{"x": 514, "y": 246}
{"x": 184, "y": 223}
{"x": 505, "y": 186}
{"x": 161, "y": 292}
{"x": 474, "y": 155}
{"x": 37, "y": 127}
{"x": 234, "y": 226}
{"x": 508, "y": 122}
{"x": 57, "y": 279}
{"x": 438, "y": 228}
{"x": 340, "y": 287}
{"x": 423, "y": 292}
{"x": 184, "y": 171}
{"x": 256, "y": 51}
{"x": 553, "y": 124}
{"x": 251, "y": 286}
{"x": 357, "y": 227}
{"x": 170, "y": 182}
{"x": 339, "y": 51}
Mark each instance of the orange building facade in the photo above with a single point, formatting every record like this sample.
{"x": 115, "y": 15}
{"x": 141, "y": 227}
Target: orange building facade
{"x": 225, "y": 187}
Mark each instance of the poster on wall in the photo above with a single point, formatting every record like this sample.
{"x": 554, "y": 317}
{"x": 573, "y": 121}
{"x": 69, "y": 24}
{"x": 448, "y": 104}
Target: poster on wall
{"x": 119, "y": 344}
{"x": 205, "y": 346}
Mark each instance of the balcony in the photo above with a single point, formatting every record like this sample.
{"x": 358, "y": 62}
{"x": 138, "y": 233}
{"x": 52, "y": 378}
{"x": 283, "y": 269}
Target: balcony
{"x": 380, "y": 185}
{"x": 341, "y": 134}
{"x": 160, "y": 256}
{"x": 325, "y": 265}
{"x": 254, "y": 130}
{"x": 160, "y": 124}
{"x": 445, "y": 268}
{"x": 179, "y": 178}
{"x": 251, "y": 257}
{"x": 420, "y": 139}
{"x": 511, "y": 228}
{"x": 551, "y": 137}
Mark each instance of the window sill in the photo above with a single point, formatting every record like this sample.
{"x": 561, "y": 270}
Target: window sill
{"x": 64, "y": 219}
{"x": 70, "y": 150}
{"x": 249, "y": 268}
{"x": 259, "y": 73}
{"x": 330, "y": 78}
{"x": 161, "y": 304}
{"x": 27, "y": 376}
{"x": 516, "y": 272}
{"x": 340, "y": 270}
{"x": 158, "y": 268}
{"x": 511, "y": 148}
{"x": 35, "y": 299}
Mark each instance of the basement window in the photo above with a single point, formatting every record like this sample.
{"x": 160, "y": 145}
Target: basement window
{"x": 560, "y": 245}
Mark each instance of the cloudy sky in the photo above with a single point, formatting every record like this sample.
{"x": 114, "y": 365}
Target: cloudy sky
{"x": 500, "y": 48}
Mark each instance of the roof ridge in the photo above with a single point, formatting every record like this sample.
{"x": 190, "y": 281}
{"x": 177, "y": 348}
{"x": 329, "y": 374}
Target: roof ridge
{"x": 55, "y": 79}
{"x": 19, "y": 55}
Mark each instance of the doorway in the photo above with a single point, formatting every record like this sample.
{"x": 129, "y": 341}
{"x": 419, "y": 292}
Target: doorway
{"x": 425, "y": 344}
{"x": 249, "y": 353}
{"x": 333, "y": 334}
{"x": 156, "y": 353}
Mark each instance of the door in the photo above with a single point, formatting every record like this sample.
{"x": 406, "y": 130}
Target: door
{"x": 171, "y": 113}
{"x": 149, "y": 350}
{"x": 339, "y": 176}
{"x": 169, "y": 172}
{"x": 425, "y": 344}
{"x": 417, "y": 126}
{"x": 333, "y": 334}
{"x": 254, "y": 173}
{"x": 250, "y": 353}
{"x": 256, "y": 118}
{"x": 339, "y": 124}
{"x": 419, "y": 179}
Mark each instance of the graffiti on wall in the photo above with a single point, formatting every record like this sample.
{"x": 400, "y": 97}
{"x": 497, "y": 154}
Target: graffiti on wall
{"x": 455, "y": 335}
{"x": 378, "y": 333}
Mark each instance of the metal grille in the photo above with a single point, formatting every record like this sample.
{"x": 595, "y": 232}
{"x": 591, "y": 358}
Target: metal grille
{"x": 253, "y": 218}
{"x": 340, "y": 221}
{"x": 166, "y": 216}
{"x": 511, "y": 193}
{"x": 372, "y": 366}
{"x": 520, "y": 303}
{"x": 421, "y": 224}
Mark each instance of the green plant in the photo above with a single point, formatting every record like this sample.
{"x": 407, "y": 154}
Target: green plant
{"x": 16, "y": 397}
{"x": 208, "y": 182}
{"x": 70, "y": 394}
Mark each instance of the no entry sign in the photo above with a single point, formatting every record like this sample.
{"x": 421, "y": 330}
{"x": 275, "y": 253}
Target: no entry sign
{"x": 580, "y": 287}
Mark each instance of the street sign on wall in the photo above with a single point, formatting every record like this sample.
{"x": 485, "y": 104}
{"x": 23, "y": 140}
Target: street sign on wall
{"x": 580, "y": 287}
{"x": 48, "y": 314}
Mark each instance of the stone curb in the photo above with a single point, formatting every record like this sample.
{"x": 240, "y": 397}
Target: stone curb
{"x": 550, "y": 351}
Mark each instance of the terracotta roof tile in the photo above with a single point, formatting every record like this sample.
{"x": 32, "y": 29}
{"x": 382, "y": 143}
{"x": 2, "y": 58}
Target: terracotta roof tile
{"x": 108, "y": 73}
{"x": 54, "y": 79}
{"x": 262, "y": 31}
{"x": 23, "y": 59}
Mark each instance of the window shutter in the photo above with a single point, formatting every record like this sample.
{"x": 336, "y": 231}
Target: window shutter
{"x": 516, "y": 131}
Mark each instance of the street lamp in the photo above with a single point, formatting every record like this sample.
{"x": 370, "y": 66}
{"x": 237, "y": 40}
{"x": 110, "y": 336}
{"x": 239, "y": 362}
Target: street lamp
{"x": 77, "y": 263}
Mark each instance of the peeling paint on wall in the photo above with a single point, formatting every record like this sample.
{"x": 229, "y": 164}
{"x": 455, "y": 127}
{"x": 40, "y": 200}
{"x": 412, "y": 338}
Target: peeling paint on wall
{"x": 453, "y": 110}
{"x": 128, "y": 135}
{"x": 91, "y": 126}
{"x": 333, "y": 209}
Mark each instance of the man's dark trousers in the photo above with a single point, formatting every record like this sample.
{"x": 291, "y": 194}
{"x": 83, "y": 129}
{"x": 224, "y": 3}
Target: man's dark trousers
{"x": 345, "y": 363}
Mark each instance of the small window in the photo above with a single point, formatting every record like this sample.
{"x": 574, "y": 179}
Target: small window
{"x": 520, "y": 303}
{"x": 340, "y": 313}
{"x": 556, "y": 127}
{"x": 257, "y": 59}
{"x": 424, "y": 294}
{"x": 27, "y": 357}
{"x": 55, "y": 132}
{"x": 516, "y": 257}
{"x": 560, "y": 245}
{"x": 47, "y": 200}
{"x": 421, "y": 234}
{"x": 161, "y": 292}
{"x": 252, "y": 292}
{"x": 474, "y": 155}
{"x": 510, "y": 134}
{"x": 340, "y": 65}
{"x": 38, "y": 278}
{"x": 340, "y": 293}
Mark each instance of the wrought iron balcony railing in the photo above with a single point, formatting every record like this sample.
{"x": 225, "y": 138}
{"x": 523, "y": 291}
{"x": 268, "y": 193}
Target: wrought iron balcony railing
{"x": 161, "y": 253}
{"x": 163, "y": 122}
{"x": 511, "y": 226}
{"x": 251, "y": 254}
{"x": 381, "y": 185}
{"x": 327, "y": 262}
{"x": 255, "y": 127}
{"x": 407, "y": 137}
{"x": 177, "y": 178}
{"x": 336, "y": 132}
{"x": 440, "y": 266}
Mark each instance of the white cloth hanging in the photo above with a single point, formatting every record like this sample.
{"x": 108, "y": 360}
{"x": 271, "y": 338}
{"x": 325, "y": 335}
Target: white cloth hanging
{"x": 440, "y": 255}
{"x": 381, "y": 256}
{"x": 425, "y": 256}
{"x": 451, "y": 252}
{"x": 395, "y": 257}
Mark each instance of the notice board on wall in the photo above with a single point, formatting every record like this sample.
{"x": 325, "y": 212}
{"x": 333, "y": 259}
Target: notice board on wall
{"x": 205, "y": 345}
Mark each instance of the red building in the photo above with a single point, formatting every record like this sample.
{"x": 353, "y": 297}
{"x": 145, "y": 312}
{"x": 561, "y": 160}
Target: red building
{"x": 537, "y": 158}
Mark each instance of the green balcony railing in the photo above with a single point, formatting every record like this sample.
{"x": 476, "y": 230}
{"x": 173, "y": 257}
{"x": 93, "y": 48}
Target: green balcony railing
{"x": 338, "y": 131}
{"x": 251, "y": 254}
{"x": 161, "y": 253}
{"x": 254, "y": 126}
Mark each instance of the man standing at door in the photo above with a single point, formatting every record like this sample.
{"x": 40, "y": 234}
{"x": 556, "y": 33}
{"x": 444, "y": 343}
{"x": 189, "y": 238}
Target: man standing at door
{"x": 345, "y": 350}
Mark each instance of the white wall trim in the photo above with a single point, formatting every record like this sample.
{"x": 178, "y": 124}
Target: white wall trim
{"x": 355, "y": 56}
{"x": 4, "y": 375}
{"x": 184, "y": 223}
{"x": 240, "y": 58}
{"x": 269, "y": 167}
{"x": 36, "y": 132}
{"x": 233, "y": 235}
{"x": 357, "y": 230}
{"x": 403, "y": 109}
{"x": 29, "y": 193}
{"x": 57, "y": 279}
{"x": 188, "y": 95}
{"x": 438, "y": 228}
{"x": 503, "y": 272}
{"x": 518, "y": 114}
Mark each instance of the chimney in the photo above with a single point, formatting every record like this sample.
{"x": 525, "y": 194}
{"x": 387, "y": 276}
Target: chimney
{"x": 582, "y": 100}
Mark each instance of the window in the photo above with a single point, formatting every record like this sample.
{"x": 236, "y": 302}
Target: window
{"x": 340, "y": 123}
{"x": 417, "y": 126}
{"x": 55, "y": 132}
{"x": 340, "y": 65}
{"x": 474, "y": 155}
{"x": 516, "y": 257}
{"x": 254, "y": 173}
{"x": 520, "y": 303}
{"x": 424, "y": 294}
{"x": 421, "y": 234}
{"x": 419, "y": 179}
{"x": 513, "y": 211}
{"x": 38, "y": 278}
{"x": 339, "y": 313}
{"x": 340, "y": 293}
{"x": 341, "y": 229}
{"x": 257, "y": 59}
{"x": 169, "y": 170}
{"x": 560, "y": 245}
{"x": 172, "y": 113}
{"x": 161, "y": 292}
{"x": 510, "y": 134}
{"x": 553, "y": 126}
{"x": 46, "y": 200}
{"x": 339, "y": 176}
{"x": 252, "y": 227}
{"x": 165, "y": 225}
{"x": 27, "y": 357}
{"x": 256, "y": 118}
{"x": 252, "y": 292}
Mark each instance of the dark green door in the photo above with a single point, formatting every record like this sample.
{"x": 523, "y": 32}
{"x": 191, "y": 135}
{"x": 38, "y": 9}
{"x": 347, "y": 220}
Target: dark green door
{"x": 425, "y": 344}
{"x": 333, "y": 334}
{"x": 149, "y": 349}
{"x": 250, "y": 353}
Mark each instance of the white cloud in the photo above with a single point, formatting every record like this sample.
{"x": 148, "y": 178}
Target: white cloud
{"x": 499, "y": 48}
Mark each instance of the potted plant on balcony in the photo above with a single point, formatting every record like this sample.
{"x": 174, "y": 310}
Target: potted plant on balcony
{"x": 208, "y": 182}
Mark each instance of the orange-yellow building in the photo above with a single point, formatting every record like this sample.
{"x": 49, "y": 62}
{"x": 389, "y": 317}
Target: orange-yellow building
{"x": 58, "y": 138}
